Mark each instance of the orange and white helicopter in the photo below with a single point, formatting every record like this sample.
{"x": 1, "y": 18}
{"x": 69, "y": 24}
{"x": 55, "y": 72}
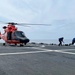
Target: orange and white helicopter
{"x": 12, "y": 35}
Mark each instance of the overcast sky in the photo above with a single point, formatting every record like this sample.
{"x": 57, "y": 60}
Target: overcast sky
{"x": 59, "y": 13}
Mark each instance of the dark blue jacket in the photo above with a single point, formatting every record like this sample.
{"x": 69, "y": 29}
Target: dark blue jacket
{"x": 73, "y": 40}
{"x": 61, "y": 39}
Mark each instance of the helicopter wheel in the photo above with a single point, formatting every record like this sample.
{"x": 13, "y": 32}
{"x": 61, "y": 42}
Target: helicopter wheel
{"x": 25, "y": 43}
{"x": 15, "y": 44}
{"x": 21, "y": 45}
{"x": 4, "y": 44}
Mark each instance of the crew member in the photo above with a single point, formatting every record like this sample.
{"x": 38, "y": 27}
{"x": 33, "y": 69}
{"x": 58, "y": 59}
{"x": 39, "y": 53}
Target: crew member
{"x": 60, "y": 41}
{"x": 73, "y": 41}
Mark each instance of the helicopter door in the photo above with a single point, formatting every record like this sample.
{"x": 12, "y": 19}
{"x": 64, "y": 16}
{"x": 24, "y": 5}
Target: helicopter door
{"x": 14, "y": 36}
{"x": 9, "y": 35}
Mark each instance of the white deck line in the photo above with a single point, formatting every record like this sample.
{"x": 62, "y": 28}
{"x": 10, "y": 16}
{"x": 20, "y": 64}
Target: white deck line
{"x": 33, "y": 52}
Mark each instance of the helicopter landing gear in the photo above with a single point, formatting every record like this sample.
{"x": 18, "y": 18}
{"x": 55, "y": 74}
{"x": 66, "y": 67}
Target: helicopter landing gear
{"x": 25, "y": 43}
{"x": 21, "y": 45}
{"x": 15, "y": 44}
{"x": 4, "y": 44}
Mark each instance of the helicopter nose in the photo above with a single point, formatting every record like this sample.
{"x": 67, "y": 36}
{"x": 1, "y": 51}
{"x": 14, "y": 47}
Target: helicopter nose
{"x": 27, "y": 40}
{"x": 24, "y": 41}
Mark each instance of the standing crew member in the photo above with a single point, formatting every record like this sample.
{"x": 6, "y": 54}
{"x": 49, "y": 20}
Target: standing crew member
{"x": 73, "y": 41}
{"x": 60, "y": 41}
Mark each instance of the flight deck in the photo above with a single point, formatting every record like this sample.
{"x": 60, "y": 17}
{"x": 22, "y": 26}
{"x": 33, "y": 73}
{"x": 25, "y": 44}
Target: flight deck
{"x": 37, "y": 60}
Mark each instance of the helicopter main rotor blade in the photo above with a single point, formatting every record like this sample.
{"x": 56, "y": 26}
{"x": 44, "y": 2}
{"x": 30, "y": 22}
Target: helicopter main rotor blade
{"x": 33, "y": 24}
{"x": 24, "y": 24}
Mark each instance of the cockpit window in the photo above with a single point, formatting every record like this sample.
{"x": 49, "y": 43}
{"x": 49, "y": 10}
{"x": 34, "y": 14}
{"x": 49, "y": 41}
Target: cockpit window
{"x": 19, "y": 33}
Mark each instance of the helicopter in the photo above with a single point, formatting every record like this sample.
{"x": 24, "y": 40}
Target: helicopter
{"x": 14, "y": 36}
